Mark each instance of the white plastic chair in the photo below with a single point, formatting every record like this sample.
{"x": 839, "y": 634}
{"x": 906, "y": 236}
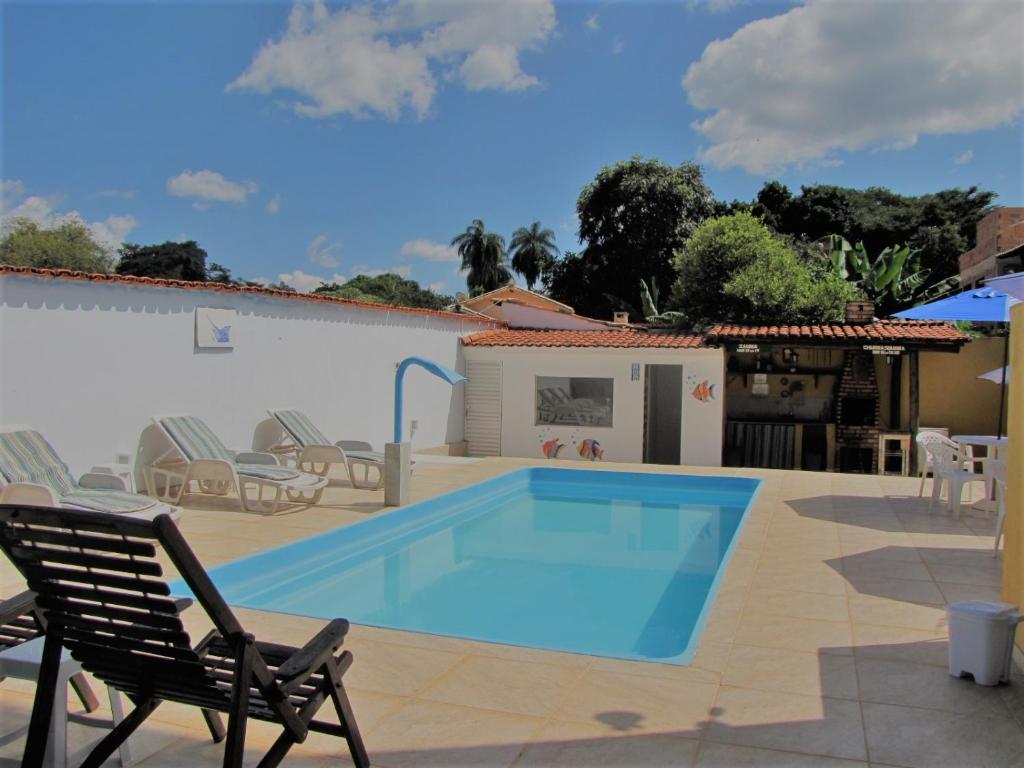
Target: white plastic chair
{"x": 948, "y": 469}
{"x": 924, "y": 463}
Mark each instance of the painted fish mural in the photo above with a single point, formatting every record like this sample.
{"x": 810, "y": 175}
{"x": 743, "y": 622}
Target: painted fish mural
{"x": 552, "y": 447}
{"x": 704, "y": 392}
{"x": 591, "y": 449}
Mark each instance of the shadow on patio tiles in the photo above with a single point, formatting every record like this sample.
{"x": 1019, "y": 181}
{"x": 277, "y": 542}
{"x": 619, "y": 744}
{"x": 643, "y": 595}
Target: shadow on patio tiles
{"x": 914, "y": 715}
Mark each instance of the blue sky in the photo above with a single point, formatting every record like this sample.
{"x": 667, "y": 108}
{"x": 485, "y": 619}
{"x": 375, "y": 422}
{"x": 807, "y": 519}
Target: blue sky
{"x": 316, "y": 141}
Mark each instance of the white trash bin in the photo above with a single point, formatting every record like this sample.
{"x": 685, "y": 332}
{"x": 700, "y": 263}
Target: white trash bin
{"x": 981, "y": 640}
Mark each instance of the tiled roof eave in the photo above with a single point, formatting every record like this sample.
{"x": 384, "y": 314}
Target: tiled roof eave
{"x": 152, "y": 282}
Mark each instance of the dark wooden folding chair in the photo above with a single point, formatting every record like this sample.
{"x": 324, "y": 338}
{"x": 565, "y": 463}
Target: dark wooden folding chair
{"x": 21, "y": 621}
{"x": 99, "y": 586}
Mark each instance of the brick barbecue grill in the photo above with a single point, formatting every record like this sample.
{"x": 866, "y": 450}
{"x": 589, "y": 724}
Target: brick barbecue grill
{"x": 857, "y": 413}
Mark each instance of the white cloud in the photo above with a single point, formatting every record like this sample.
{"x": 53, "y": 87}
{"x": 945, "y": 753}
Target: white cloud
{"x": 123, "y": 194}
{"x": 715, "y": 6}
{"x": 592, "y": 22}
{"x": 384, "y": 58}
{"x": 112, "y": 231}
{"x": 303, "y": 282}
{"x": 495, "y": 66}
{"x": 209, "y": 186}
{"x": 429, "y": 250}
{"x": 618, "y": 46}
{"x": 834, "y": 76}
{"x": 10, "y": 190}
{"x": 965, "y": 158}
{"x": 108, "y": 233}
{"x": 323, "y": 252}
{"x": 438, "y": 287}
{"x": 273, "y": 205}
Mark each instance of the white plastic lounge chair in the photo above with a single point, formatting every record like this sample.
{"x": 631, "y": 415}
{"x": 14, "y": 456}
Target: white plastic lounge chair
{"x": 314, "y": 452}
{"x": 32, "y": 473}
{"x": 196, "y": 454}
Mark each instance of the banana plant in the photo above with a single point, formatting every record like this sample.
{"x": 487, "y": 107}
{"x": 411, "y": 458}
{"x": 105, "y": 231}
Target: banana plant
{"x": 893, "y": 279}
{"x": 649, "y": 299}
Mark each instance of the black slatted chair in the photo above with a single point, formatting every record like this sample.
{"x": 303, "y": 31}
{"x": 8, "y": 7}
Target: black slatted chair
{"x": 99, "y": 585}
{"x": 21, "y": 621}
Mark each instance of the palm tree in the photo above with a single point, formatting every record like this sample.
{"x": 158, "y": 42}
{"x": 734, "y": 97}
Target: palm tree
{"x": 533, "y": 250}
{"x": 483, "y": 257}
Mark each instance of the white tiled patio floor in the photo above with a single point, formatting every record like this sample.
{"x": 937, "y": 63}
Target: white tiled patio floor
{"x": 826, "y": 647}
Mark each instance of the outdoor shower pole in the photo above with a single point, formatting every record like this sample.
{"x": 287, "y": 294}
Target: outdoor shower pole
{"x": 398, "y": 455}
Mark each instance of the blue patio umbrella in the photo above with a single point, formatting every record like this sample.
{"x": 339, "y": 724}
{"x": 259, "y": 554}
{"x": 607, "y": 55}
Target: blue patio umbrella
{"x": 978, "y": 305}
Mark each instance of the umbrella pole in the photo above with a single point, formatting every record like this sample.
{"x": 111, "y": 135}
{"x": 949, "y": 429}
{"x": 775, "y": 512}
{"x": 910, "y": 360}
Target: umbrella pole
{"x": 1002, "y": 383}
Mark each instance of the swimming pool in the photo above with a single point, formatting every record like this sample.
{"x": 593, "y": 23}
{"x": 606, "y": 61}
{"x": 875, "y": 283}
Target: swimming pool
{"x": 619, "y": 564}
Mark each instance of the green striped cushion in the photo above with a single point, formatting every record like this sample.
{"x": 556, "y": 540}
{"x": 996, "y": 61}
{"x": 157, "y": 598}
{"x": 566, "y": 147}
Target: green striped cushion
{"x": 300, "y": 428}
{"x": 26, "y": 457}
{"x": 195, "y": 439}
{"x": 107, "y": 500}
{"x": 374, "y": 456}
{"x": 267, "y": 471}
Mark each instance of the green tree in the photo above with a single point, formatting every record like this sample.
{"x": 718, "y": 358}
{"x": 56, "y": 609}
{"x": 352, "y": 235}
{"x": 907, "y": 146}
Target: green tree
{"x": 533, "y": 251}
{"x": 69, "y": 245}
{"x": 633, "y": 217}
{"x": 735, "y": 269}
{"x": 483, "y": 257}
{"x": 169, "y": 260}
{"x": 387, "y": 289}
{"x": 940, "y": 226}
{"x": 218, "y": 273}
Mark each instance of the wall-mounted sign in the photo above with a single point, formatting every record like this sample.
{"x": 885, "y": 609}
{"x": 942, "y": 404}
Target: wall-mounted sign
{"x": 634, "y": 372}
{"x": 748, "y": 348}
{"x": 885, "y": 349}
{"x": 215, "y": 327}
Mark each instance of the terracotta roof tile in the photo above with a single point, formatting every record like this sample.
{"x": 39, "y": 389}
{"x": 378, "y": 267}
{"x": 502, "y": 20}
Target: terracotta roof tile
{"x": 880, "y": 330}
{"x": 152, "y": 282}
{"x": 624, "y": 339}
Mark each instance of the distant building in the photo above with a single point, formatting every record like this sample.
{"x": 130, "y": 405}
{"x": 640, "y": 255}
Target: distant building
{"x": 520, "y": 308}
{"x": 999, "y": 247}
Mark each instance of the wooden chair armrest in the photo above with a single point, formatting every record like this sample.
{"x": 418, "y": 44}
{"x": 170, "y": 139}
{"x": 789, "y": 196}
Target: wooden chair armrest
{"x": 181, "y": 603}
{"x": 16, "y": 606}
{"x": 310, "y": 657}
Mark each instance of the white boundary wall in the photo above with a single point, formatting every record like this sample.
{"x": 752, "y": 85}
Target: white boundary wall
{"x": 88, "y": 364}
{"x": 703, "y": 422}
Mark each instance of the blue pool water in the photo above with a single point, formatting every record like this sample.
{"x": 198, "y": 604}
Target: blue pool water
{"x": 604, "y": 563}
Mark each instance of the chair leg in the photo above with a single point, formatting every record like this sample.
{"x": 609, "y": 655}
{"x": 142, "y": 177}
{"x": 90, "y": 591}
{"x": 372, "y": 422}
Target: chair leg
{"x": 924, "y": 475}
{"x": 936, "y": 491}
{"x": 956, "y": 493}
{"x": 113, "y": 740}
{"x": 84, "y": 692}
{"x": 1000, "y": 520}
{"x": 42, "y": 708}
{"x": 238, "y": 714}
{"x": 346, "y": 717}
{"x": 215, "y": 725}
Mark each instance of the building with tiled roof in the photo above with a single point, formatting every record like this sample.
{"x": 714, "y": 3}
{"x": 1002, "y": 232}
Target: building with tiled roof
{"x": 907, "y": 331}
{"x": 609, "y": 339}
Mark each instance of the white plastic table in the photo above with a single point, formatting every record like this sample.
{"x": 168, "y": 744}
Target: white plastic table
{"x": 993, "y": 445}
{"x": 23, "y": 662}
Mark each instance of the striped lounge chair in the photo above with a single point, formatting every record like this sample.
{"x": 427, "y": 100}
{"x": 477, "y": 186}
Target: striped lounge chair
{"x": 196, "y": 454}
{"x": 314, "y": 452}
{"x": 31, "y": 472}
